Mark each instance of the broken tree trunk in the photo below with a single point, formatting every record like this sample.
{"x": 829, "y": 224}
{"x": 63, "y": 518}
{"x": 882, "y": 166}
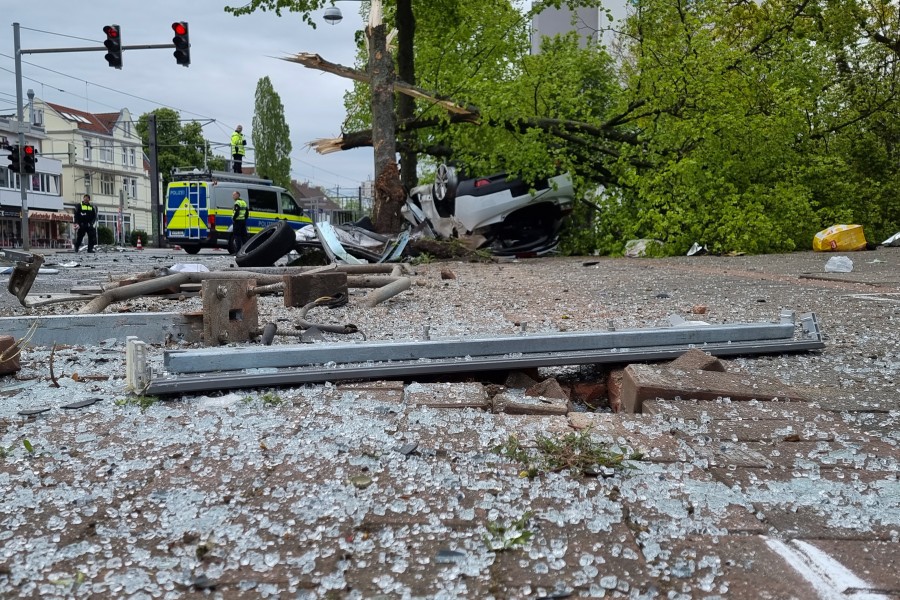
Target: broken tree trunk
{"x": 389, "y": 194}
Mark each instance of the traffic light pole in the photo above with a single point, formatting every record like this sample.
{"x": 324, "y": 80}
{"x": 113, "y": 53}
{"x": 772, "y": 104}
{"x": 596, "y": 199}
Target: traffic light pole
{"x": 92, "y": 49}
{"x": 20, "y": 110}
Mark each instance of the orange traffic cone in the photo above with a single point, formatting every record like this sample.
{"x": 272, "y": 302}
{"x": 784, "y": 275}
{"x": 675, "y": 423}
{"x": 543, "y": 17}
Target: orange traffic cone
{"x": 139, "y": 246}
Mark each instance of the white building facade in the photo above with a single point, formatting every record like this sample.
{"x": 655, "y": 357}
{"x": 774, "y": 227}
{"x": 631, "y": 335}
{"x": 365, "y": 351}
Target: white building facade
{"x": 103, "y": 158}
{"x": 591, "y": 23}
{"x": 49, "y": 224}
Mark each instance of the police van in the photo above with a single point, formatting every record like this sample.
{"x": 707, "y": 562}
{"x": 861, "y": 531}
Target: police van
{"x": 199, "y": 207}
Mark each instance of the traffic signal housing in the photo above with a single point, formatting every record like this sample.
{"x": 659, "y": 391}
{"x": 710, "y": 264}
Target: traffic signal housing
{"x": 28, "y": 160}
{"x": 14, "y": 164}
{"x": 113, "y": 45}
{"x": 182, "y": 41}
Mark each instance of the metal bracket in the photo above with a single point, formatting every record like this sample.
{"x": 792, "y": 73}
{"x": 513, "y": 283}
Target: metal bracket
{"x": 25, "y": 271}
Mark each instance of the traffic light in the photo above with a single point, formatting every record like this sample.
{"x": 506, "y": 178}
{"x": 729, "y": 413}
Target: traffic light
{"x": 14, "y": 164}
{"x": 28, "y": 160}
{"x": 182, "y": 41}
{"x": 113, "y": 45}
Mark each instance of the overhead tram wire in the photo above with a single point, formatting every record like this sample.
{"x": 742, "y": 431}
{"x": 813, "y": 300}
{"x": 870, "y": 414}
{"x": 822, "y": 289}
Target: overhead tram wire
{"x": 149, "y": 101}
{"x": 103, "y": 87}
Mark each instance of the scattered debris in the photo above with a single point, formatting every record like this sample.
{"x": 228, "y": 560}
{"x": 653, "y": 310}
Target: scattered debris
{"x": 26, "y": 267}
{"x": 641, "y": 248}
{"x": 839, "y": 264}
{"x": 697, "y": 250}
{"x": 840, "y": 238}
{"x": 894, "y": 240}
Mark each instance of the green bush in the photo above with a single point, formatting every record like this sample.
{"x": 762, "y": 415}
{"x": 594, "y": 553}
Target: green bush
{"x": 105, "y": 235}
{"x": 138, "y": 233}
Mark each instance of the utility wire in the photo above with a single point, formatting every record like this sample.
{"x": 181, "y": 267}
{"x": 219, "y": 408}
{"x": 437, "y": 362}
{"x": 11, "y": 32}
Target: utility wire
{"x": 74, "y": 37}
{"x": 134, "y": 123}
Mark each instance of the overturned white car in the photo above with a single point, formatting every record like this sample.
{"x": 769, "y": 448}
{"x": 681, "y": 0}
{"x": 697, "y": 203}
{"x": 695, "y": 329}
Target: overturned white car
{"x": 505, "y": 216}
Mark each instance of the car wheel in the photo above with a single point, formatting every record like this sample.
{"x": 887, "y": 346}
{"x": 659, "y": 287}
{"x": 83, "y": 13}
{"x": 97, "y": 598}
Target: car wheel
{"x": 445, "y": 182}
{"x": 267, "y": 246}
{"x": 191, "y": 249}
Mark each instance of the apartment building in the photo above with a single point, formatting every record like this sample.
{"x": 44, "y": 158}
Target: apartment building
{"x": 103, "y": 157}
{"x": 49, "y": 224}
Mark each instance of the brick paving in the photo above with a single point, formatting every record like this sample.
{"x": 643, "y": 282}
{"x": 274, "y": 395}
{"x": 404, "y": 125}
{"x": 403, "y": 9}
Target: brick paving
{"x": 386, "y": 489}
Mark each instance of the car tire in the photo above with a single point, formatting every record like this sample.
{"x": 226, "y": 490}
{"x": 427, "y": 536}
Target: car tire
{"x": 445, "y": 183}
{"x": 267, "y": 246}
{"x": 192, "y": 249}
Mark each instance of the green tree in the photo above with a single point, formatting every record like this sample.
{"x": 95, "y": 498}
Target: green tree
{"x": 271, "y": 135}
{"x": 178, "y": 145}
{"x": 746, "y": 126}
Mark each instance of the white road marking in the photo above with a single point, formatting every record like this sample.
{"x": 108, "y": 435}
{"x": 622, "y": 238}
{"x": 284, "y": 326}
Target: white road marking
{"x": 830, "y": 579}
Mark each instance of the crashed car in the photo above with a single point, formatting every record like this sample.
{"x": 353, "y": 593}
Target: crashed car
{"x": 505, "y": 216}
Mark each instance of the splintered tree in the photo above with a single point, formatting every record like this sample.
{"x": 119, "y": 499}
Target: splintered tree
{"x": 271, "y": 136}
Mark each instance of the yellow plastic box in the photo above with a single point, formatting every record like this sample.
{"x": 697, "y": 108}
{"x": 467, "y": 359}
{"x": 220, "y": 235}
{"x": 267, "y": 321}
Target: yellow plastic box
{"x": 840, "y": 238}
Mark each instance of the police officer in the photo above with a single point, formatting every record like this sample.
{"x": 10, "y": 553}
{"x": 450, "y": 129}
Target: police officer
{"x": 239, "y": 221}
{"x": 85, "y": 218}
{"x": 237, "y": 148}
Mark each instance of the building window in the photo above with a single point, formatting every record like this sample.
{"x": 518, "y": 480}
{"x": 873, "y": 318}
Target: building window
{"x": 127, "y": 126}
{"x": 87, "y": 150}
{"x": 106, "y": 153}
{"x": 45, "y": 183}
{"x": 107, "y": 185}
{"x": 133, "y": 187}
{"x": 131, "y": 157}
{"x": 87, "y": 183}
{"x": 111, "y": 221}
{"x": 5, "y": 177}
{"x": 39, "y": 117}
{"x": 124, "y": 156}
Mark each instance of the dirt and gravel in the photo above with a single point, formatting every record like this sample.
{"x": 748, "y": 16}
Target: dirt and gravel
{"x": 352, "y": 491}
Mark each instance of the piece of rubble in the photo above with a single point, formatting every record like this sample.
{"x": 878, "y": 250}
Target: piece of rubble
{"x": 300, "y": 290}
{"x": 529, "y": 405}
{"x": 447, "y": 395}
{"x": 589, "y": 392}
{"x": 549, "y": 388}
{"x": 697, "y": 360}
{"x": 614, "y": 389}
{"x": 645, "y": 382}
{"x": 7, "y": 349}
{"x": 520, "y": 379}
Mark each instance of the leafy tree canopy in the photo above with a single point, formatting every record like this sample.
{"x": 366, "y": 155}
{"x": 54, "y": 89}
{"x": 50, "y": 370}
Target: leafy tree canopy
{"x": 178, "y": 144}
{"x": 271, "y": 136}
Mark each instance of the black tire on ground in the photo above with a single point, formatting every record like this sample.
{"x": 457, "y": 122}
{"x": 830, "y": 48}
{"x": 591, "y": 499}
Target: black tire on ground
{"x": 232, "y": 246}
{"x": 267, "y": 246}
{"x": 192, "y": 249}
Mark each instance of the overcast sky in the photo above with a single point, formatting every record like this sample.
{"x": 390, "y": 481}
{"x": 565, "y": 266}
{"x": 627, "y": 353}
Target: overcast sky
{"x": 228, "y": 57}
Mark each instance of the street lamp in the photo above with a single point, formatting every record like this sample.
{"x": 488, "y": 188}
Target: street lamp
{"x": 333, "y": 15}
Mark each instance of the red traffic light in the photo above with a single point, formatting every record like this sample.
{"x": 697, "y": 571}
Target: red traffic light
{"x": 179, "y": 28}
{"x": 29, "y": 149}
{"x": 111, "y": 31}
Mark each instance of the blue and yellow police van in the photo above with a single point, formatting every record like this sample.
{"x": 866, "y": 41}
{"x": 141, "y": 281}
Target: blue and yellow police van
{"x": 199, "y": 206}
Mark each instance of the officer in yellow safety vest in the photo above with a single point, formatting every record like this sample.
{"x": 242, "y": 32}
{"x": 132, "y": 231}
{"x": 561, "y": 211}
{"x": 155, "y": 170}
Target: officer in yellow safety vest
{"x": 239, "y": 221}
{"x": 85, "y": 218}
{"x": 237, "y": 148}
